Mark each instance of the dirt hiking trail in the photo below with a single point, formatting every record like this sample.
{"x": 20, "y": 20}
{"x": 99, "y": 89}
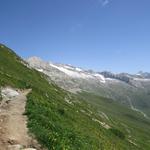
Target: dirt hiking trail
{"x": 13, "y": 124}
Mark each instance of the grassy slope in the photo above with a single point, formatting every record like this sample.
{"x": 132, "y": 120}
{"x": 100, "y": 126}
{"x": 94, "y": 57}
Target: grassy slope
{"x": 60, "y": 125}
{"x": 122, "y": 118}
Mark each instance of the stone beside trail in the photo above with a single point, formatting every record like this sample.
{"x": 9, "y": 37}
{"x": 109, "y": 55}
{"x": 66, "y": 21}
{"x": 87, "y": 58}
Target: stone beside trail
{"x": 13, "y": 128}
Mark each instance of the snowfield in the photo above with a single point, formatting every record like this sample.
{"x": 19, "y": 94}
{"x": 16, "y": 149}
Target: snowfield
{"x": 78, "y": 73}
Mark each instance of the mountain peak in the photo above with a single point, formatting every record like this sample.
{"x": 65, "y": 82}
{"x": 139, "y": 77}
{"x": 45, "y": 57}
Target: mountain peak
{"x": 34, "y": 58}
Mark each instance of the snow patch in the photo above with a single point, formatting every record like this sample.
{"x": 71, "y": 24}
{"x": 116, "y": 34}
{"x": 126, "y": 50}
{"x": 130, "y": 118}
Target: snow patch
{"x": 111, "y": 80}
{"x": 101, "y": 77}
{"x": 68, "y": 67}
{"x": 141, "y": 79}
{"x": 78, "y": 69}
{"x": 72, "y": 73}
{"x": 40, "y": 70}
{"x": 78, "y": 73}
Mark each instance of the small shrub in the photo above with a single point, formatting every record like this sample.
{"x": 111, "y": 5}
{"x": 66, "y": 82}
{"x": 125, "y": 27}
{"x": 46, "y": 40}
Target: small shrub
{"x": 61, "y": 111}
{"x": 118, "y": 133}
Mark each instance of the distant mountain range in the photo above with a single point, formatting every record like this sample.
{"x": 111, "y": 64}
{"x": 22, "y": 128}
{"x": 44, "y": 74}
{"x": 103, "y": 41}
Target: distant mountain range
{"x": 132, "y": 90}
{"x": 76, "y": 72}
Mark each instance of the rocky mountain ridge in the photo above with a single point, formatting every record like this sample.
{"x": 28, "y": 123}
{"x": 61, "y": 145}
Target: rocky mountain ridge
{"x": 76, "y": 72}
{"x": 128, "y": 89}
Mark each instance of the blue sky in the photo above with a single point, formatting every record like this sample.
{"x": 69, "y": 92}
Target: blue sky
{"x": 109, "y": 35}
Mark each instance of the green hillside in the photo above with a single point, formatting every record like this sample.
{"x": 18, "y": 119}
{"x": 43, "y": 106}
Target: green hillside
{"x": 63, "y": 121}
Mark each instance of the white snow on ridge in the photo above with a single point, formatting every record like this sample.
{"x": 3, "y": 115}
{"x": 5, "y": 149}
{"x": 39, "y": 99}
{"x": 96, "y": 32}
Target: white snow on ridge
{"x": 68, "y": 67}
{"x": 72, "y": 68}
{"x": 40, "y": 70}
{"x": 79, "y": 73}
{"x": 141, "y": 79}
{"x": 111, "y": 80}
{"x": 72, "y": 73}
{"x": 101, "y": 77}
{"x": 78, "y": 69}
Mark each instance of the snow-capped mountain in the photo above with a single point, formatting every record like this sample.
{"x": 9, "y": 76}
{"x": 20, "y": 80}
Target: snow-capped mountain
{"x": 79, "y": 73}
{"x": 128, "y": 89}
{"x": 71, "y": 71}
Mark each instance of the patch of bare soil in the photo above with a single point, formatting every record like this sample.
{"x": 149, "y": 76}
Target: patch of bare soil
{"x": 13, "y": 128}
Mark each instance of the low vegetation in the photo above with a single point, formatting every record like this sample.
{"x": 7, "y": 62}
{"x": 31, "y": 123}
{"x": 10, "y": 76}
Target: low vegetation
{"x": 59, "y": 125}
{"x": 118, "y": 133}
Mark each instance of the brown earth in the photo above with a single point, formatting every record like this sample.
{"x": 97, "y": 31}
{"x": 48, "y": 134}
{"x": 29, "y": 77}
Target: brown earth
{"x": 13, "y": 128}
